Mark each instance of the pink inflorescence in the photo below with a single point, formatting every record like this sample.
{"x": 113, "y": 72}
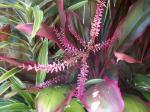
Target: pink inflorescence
{"x": 54, "y": 67}
{"x": 69, "y": 48}
{"x": 82, "y": 77}
{"x": 51, "y": 82}
{"x": 103, "y": 45}
{"x": 96, "y": 24}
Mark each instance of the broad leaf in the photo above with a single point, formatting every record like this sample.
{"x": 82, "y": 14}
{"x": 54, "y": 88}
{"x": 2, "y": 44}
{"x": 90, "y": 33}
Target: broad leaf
{"x": 133, "y": 25}
{"x": 51, "y": 99}
{"x": 134, "y": 104}
{"x": 42, "y": 59}
{"x": 74, "y": 106}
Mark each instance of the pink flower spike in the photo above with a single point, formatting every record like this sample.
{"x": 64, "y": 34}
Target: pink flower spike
{"x": 68, "y": 46}
{"x": 96, "y": 24}
{"x": 51, "y": 82}
{"x": 54, "y": 67}
{"x": 82, "y": 77}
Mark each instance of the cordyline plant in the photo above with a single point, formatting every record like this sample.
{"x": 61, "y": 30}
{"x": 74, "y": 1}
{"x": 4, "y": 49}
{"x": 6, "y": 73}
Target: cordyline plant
{"x": 80, "y": 54}
{"x": 76, "y": 56}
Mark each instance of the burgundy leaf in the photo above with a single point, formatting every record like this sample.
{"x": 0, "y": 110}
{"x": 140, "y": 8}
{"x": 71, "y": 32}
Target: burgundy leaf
{"x": 60, "y": 5}
{"x": 10, "y": 61}
{"x": 4, "y": 29}
{"x": 43, "y": 31}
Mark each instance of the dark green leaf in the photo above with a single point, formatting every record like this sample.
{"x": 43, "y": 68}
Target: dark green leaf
{"x": 137, "y": 19}
{"x": 92, "y": 82}
{"x": 142, "y": 82}
{"x": 146, "y": 95}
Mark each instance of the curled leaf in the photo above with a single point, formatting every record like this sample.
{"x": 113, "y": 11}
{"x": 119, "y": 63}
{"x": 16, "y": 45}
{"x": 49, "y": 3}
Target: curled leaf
{"x": 126, "y": 58}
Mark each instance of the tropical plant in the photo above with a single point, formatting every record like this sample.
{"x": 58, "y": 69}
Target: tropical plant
{"x": 57, "y": 41}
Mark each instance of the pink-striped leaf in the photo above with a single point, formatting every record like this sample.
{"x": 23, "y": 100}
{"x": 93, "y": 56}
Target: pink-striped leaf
{"x": 126, "y": 58}
{"x": 44, "y": 31}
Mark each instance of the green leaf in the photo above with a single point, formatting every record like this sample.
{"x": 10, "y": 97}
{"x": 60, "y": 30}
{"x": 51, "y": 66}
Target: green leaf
{"x": 3, "y": 44}
{"x": 77, "y": 5}
{"x": 50, "y": 99}
{"x": 42, "y": 59}
{"x": 14, "y": 107}
{"x": 58, "y": 54}
{"x": 8, "y": 95}
{"x": 74, "y": 106}
{"x": 18, "y": 85}
{"x": 38, "y": 17}
{"x": 146, "y": 95}
{"x": 134, "y": 104}
{"x": 2, "y": 70}
{"x": 137, "y": 19}
{"x": 4, "y": 87}
{"x": 9, "y": 5}
{"x": 93, "y": 81}
{"x": 9, "y": 74}
{"x": 142, "y": 82}
{"x": 4, "y": 102}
